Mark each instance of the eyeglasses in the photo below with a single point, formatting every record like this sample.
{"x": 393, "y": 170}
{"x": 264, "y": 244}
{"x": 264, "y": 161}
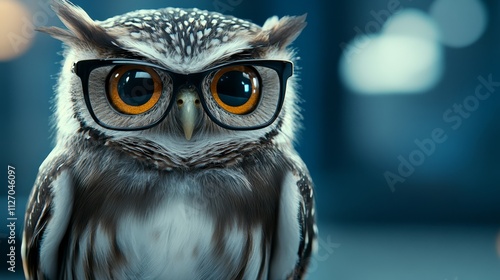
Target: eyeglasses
{"x": 128, "y": 94}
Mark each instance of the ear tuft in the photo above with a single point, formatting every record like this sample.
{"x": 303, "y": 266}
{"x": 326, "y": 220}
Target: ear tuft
{"x": 81, "y": 28}
{"x": 282, "y": 32}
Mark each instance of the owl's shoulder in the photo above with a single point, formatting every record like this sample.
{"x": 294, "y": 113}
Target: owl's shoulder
{"x": 40, "y": 209}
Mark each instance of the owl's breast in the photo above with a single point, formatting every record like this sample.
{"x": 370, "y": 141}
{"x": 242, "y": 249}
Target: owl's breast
{"x": 208, "y": 224}
{"x": 214, "y": 223}
{"x": 178, "y": 241}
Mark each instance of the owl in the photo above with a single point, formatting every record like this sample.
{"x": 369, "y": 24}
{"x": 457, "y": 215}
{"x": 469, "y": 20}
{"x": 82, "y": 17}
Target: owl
{"x": 173, "y": 154}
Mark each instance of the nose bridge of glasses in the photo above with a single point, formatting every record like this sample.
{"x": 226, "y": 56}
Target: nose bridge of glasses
{"x": 191, "y": 82}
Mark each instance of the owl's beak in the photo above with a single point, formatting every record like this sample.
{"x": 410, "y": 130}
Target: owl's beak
{"x": 188, "y": 104}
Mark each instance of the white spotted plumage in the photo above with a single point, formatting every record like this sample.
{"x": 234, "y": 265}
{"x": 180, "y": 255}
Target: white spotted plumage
{"x": 158, "y": 202}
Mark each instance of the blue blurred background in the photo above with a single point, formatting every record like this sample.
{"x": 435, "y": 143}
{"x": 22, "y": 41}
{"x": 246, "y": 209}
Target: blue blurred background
{"x": 401, "y": 126}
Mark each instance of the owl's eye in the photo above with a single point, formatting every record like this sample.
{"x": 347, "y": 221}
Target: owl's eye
{"x": 236, "y": 89}
{"x": 133, "y": 89}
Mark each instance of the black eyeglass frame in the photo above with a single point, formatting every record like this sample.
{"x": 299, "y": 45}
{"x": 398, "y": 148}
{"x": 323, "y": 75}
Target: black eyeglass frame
{"x": 283, "y": 68}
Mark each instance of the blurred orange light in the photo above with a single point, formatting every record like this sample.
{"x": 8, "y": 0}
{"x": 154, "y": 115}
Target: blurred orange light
{"x": 16, "y": 29}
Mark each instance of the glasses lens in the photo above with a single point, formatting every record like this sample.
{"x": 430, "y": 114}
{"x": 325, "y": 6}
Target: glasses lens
{"x": 243, "y": 96}
{"x": 129, "y": 96}
{"x": 236, "y": 89}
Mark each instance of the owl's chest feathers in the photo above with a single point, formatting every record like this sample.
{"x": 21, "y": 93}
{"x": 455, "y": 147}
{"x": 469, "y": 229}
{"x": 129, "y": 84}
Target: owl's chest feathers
{"x": 206, "y": 218}
{"x": 171, "y": 155}
{"x": 183, "y": 235}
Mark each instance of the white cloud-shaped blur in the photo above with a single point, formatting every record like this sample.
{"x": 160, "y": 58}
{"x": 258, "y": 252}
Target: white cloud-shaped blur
{"x": 406, "y": 57}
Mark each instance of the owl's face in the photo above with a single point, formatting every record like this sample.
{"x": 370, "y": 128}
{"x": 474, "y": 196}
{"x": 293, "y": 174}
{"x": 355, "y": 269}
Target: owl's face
{"x": 181, "y": 79}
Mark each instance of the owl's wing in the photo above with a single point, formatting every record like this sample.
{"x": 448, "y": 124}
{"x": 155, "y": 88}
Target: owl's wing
{"x": 307, "y": 221}
{"x": 296, "y": 230}
{"x": 41, "y": 219}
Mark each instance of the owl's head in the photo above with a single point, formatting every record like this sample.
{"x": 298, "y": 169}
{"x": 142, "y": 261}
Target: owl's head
{"x": 182, "y": 79}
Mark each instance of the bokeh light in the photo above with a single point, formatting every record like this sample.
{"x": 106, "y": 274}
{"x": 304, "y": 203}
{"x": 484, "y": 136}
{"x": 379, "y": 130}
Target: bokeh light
{"x": 461, "y": 22}
{"x": 16, "y": 29}
{"x": 414, "y": 23}
{"x": 405, "y": 58}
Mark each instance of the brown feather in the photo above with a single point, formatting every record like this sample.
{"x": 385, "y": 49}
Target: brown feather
{"x": 287, "y": 30}
{"x": 282, "y": 33}
{"x": 82, "y": 29}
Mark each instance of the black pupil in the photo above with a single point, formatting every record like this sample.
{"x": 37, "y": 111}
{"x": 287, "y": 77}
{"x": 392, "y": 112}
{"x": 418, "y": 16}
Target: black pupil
{"x": 136, "y": 87}
{"x": 234, "y": 88}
